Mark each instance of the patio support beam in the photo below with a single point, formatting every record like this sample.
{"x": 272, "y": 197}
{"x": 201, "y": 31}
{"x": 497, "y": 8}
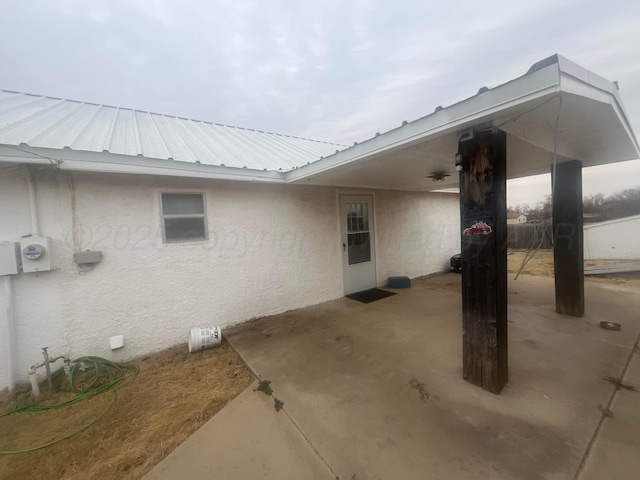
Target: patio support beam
{"x": 568, "y": 254}
{"x": 483, "y": 220}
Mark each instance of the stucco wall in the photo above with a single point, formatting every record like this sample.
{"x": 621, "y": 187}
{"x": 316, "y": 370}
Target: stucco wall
{"x": 271, "y": 248}
{"x": 417, "y": 233}
{"x": 615, "y": 239}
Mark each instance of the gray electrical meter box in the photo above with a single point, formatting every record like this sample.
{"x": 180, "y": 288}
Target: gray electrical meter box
{"x": 88, "y": 257}
{"x": 36, "y": 254}
{"x": 10, "y": 258}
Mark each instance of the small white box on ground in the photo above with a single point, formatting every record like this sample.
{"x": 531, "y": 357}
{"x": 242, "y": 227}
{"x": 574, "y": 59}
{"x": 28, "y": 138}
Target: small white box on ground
{"x": 116, "y": 342}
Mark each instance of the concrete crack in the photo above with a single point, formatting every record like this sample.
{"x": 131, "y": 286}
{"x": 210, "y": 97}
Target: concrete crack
{"x": 606, "y": 410}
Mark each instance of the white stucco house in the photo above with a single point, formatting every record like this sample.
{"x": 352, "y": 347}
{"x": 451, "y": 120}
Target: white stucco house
{"x": 516, "y": 218}
{"x": 613, "y": 239}
{"x": 186, "y": 223}
{"x": 194, "y": 223}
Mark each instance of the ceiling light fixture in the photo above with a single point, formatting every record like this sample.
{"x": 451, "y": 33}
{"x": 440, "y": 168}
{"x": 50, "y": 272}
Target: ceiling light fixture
{"x": 438, "y": 176}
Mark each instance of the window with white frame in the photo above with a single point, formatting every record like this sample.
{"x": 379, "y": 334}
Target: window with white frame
{"x": 183, "y": 217}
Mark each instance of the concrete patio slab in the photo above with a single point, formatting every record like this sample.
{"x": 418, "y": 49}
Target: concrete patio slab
{"x": 378, "y": 391}
{"x": 247, "y": 439}
{"x": 616, "y": 450}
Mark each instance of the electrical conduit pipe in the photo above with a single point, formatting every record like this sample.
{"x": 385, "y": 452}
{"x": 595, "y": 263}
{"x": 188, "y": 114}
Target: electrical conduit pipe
{"x": 33, "y": 203}
{"x": 10, "y": 317}
{"x": 8, "y": 293}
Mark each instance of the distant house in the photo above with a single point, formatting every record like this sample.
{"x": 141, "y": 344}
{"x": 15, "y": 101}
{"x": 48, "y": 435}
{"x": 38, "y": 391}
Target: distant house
{"x": 516, "y": 218}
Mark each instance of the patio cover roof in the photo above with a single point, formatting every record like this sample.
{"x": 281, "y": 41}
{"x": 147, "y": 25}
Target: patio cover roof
{"x": 592, "y": 127}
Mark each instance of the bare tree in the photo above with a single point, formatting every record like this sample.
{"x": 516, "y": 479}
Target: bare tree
{"x": 617, "y": 205}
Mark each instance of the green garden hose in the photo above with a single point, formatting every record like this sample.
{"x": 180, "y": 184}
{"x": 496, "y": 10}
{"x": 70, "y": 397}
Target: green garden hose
{"x": 107, "y": 377}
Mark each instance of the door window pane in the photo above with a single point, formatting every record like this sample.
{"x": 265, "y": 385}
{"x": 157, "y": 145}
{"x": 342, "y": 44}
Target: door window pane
{"x": 359, "y": 247}
{"x": 357, "y": 217}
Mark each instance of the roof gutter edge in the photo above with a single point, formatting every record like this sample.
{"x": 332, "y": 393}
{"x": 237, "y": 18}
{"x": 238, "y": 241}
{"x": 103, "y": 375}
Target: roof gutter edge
{"x": 104, "y": 162}
{"x": 315, "y": 168}
{"x": 595, "y": 81}
{"x": 613, "y": 93}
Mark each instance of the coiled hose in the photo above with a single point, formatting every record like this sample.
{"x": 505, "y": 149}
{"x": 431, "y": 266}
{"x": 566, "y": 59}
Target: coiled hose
{"x": 107, "y": 377}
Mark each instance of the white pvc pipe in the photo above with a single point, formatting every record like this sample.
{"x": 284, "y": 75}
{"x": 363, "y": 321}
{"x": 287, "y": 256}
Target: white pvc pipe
{"x": 8, "y": 295}
{"x": 53, "y": 359}
{"x": 33, "y": 203}
{"x": 35, "y": 388}
{"x": 33, "y": 376}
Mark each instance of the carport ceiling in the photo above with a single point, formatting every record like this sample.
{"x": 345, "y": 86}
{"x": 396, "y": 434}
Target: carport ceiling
{"x": 592, "y": 127}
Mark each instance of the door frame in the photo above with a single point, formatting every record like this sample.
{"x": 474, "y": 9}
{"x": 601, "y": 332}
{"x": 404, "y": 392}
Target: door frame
{"x": 341, "y": 225}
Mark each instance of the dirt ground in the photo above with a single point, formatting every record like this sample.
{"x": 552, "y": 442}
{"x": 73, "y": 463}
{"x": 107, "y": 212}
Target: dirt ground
{"x": 173, "y": 395}
{"x": 542, "y": 265}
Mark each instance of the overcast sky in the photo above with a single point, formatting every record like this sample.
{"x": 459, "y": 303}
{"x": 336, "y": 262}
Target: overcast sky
{"x": 329, "y": 70}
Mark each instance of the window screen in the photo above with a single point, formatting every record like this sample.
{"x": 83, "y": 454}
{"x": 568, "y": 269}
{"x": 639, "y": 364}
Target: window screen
{"x": 183, "y": 217}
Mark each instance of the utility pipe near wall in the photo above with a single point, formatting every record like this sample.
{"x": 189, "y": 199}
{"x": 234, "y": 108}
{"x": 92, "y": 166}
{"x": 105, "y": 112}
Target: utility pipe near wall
{"x": 33, "y": 376}
{"x": 33, "y": 206}
{"x": 8, "y": 295}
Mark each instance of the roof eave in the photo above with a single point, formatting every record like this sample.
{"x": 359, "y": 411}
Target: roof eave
{"x": 572, "y": 71}
{"x": 456, "y": 117}
{"x": 556, "y": 76}
{"x": 104, "y": 162}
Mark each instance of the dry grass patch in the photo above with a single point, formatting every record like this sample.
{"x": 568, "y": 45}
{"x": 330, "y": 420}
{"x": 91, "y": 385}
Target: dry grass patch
{"x": 542, "y": 265}
{"x": 174, "y": 394}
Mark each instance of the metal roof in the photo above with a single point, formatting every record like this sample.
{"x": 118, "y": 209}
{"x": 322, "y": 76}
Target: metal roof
{"x": 556, "y": 106}
{"x": 56, "y": 123}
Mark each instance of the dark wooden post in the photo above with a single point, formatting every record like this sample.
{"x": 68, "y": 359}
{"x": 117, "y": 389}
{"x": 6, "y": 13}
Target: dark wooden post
{"x": 483, "y": 220}
{"x": 568, "y": 249}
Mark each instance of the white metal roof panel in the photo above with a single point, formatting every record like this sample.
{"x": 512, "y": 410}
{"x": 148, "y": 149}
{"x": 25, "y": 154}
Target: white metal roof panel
{"x": 55, "y": 123}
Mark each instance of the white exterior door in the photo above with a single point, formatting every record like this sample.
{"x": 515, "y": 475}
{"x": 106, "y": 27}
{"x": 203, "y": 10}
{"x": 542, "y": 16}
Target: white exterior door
{"x": 358, "y": 253}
